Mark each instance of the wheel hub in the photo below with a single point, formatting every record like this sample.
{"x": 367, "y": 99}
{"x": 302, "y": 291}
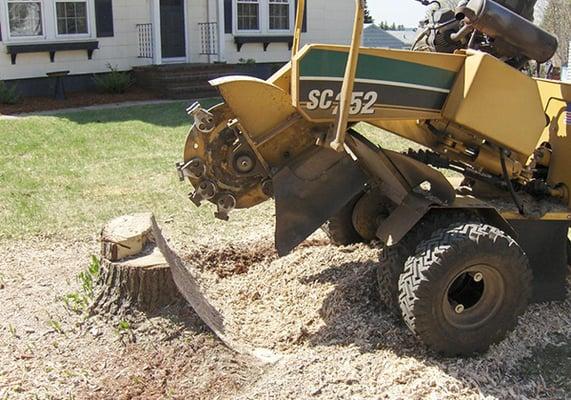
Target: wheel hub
{"x": 473, "y": 296}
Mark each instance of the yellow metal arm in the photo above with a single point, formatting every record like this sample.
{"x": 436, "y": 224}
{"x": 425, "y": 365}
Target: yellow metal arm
{"x": 298, "y": 26}
{"x": 349, "y": 78}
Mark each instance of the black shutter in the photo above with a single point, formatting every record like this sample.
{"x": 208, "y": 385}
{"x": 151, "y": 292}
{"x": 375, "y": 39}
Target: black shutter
{"x": 228, "y": 16}
{"x": 104, "y": 18}
{"x": 304, "y": 24}
{"x": 0, "y": 33}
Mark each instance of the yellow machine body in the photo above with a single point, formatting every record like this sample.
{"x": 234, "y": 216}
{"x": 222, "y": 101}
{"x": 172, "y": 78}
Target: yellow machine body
{"x": 294, "y": 138}
{"x": 556, "y": 101}
{"x": 476, "y": 97}
{"x": 498, "y": 103}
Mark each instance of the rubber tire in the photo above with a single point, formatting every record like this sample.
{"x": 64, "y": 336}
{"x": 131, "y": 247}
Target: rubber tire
{"x": 392, "y": 259}
{"x": 428, "y": 274}
{"x": 389, "y": 269}
{"x": 339, "y": 229}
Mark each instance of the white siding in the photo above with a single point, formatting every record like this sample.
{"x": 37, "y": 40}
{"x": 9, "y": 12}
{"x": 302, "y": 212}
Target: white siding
{"x": 197, "y": 13}
{"x": 328, "y": 22}
{"x": 120, "y": 51}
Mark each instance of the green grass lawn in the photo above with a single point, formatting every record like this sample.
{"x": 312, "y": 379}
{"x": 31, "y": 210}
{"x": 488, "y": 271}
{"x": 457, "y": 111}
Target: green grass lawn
{"x": 66, "y": 175}
{"x": 69, "y": 173}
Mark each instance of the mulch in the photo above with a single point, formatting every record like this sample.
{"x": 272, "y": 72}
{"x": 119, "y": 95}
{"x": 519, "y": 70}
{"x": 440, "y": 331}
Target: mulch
{"x": 76, "y": 99}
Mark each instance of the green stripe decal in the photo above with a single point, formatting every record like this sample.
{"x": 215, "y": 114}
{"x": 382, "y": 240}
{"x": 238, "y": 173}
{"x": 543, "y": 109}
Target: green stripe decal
{"x": 323, "y": 63}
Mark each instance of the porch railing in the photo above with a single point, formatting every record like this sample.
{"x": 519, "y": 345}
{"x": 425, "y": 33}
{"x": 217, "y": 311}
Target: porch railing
{"x": 145, "y": 36}
{"x": 208, "y": 38}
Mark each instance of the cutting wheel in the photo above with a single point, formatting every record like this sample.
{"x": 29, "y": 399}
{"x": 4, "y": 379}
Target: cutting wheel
{"x": 220, "y": 164}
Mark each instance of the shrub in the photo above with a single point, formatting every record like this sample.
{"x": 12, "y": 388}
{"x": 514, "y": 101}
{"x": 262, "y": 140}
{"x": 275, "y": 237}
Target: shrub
{"x": 115, "y": 81}
{"x": 8, "y": 94}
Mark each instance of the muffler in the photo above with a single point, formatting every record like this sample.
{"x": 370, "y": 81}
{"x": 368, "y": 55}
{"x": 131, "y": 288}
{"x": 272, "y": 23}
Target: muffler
{"x": 509, "y": 30}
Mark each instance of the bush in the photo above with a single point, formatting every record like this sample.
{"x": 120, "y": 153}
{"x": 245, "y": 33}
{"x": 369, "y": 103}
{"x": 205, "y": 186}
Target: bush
{"x": 115, "y": 82}
{"x": 8, "y": 95}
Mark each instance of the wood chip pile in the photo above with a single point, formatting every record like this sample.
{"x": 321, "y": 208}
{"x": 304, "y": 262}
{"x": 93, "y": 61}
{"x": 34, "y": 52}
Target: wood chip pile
{"x": 316, "y": 311}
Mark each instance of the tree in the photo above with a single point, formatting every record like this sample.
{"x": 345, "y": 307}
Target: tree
{"x": 524, "y": 8}
{"x": 557, "y": 20}
{"x": 368, "y": 17}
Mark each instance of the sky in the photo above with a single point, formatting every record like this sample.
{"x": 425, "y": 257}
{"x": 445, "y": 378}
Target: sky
{"x": 406, "y": 12}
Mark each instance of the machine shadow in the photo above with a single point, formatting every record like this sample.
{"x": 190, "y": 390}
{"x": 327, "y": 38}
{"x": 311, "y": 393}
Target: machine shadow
{"x": 182, "y": 317}
{"x": 354, "y": 316}
{"x": 168, "y": 115}
{"x": 353, "y": 313}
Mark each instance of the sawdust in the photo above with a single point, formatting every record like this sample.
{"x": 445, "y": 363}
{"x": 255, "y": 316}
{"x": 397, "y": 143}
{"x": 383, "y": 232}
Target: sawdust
{"x": 317, "y": 308}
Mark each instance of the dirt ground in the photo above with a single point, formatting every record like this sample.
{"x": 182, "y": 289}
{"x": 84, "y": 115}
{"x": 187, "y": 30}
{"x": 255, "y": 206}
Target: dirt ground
{"x": 315, "y": 311}
{"x": 75, "y": 99}
{"x": 49, "y": 352}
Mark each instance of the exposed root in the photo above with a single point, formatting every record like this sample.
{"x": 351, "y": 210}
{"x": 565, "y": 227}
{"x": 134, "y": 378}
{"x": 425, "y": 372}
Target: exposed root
{"x": 237, "y": 259}
{"x": 231, "y": 259}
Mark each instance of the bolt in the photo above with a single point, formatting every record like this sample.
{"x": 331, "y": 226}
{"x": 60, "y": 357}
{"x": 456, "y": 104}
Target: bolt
{"x": 245, "y": 164}
{"x": 478, "y": 277}
{"x": 207, "y": 189}
{"x": 459, "y": 309}
{"x": 196, "y": 168}
{"x": 268, "y": 188}
{"x": 227, "y": 202}
{"x": 425, "y": 186}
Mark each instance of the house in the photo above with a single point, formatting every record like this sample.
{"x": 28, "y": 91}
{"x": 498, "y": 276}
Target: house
{"x": 86, "y": 36}
{"x": 407, "y": 36}
{"x": 374, "y": 36}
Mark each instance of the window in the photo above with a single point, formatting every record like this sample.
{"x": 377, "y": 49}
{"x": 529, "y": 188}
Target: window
{"x": 248, "y": 15}
{"x": 71, "y": 17}
{"x": 51, "y": 20}
{"x": 25, "y": 18}
{"x": 279, "y": 15}
{"x": 264, "y": 17}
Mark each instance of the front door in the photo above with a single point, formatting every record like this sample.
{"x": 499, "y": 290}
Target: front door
{"x": 173, "y": 41}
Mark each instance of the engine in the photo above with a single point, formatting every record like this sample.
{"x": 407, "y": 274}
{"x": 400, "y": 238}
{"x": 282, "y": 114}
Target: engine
{"x": 503, "y": 29}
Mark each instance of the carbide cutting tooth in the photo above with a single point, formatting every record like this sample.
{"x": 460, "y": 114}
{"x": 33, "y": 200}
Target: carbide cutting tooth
{"x": 193, "y": 169}
{"x": 206, "y": 190}
{"x": 203, "y": 119}
{"x": 225, "y": 204}
{"x": 192, "y": 197}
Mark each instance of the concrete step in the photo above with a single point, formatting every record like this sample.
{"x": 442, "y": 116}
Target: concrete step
{"x": 187, "y": 81}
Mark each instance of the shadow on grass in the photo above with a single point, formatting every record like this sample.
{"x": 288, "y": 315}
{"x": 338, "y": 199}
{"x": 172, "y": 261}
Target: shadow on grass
{"x": 162, "y": 114}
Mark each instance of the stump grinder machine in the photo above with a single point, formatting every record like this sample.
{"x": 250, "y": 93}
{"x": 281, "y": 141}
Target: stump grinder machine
{"x": 459, "y": 262}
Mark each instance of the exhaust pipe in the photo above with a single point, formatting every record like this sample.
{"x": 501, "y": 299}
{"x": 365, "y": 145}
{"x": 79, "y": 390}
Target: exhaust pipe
{"x": 511, "y": 32}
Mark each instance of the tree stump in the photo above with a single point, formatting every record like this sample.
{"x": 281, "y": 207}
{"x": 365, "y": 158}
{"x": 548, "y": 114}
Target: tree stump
{"x": 134, "y": 273}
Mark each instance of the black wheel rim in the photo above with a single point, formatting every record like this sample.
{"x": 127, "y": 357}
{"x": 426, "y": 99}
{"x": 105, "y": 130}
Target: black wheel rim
{"x": 473, "y": 296}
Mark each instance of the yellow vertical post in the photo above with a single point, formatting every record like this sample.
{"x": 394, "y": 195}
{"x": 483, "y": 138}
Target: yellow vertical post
{"x": 349, "y": 79}
{"x": 298, "y": 27}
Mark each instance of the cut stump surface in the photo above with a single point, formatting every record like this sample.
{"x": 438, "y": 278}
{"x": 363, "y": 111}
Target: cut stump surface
{"x": 134, "y": 273}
